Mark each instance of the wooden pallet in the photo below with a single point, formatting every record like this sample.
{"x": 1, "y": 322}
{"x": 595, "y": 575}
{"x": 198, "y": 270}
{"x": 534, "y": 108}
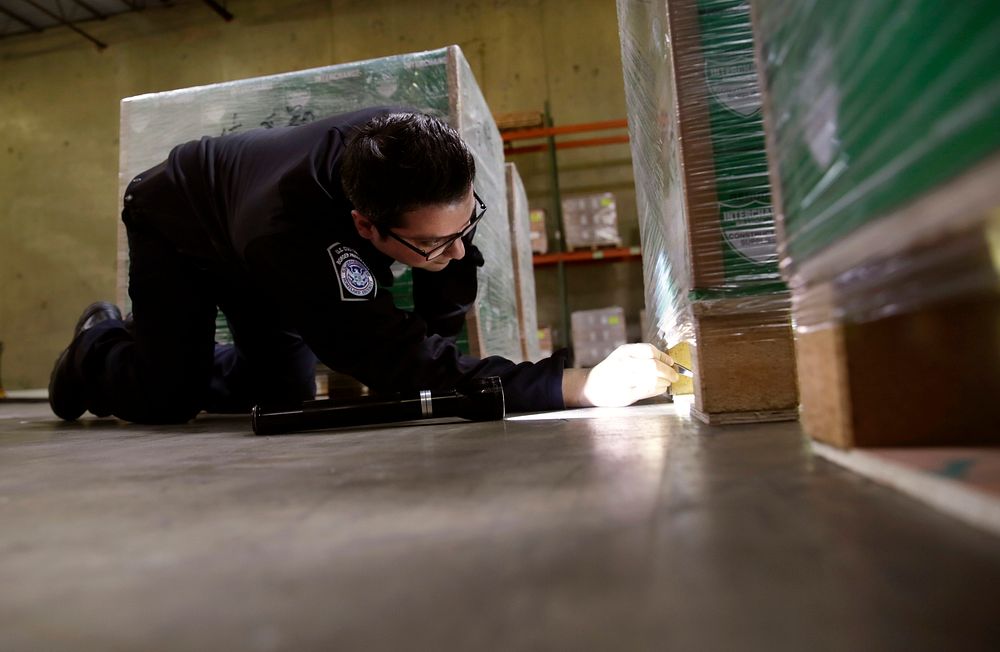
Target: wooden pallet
{"x": 743, "y": 361}
{"x": 927, "y": 375}
{"x": 519, "y": 120}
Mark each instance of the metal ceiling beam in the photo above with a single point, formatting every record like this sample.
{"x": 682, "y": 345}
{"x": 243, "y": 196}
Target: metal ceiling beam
{"x": 219, "y": 9}
{"x": 66, "y": 23}
{"x": 24, "y": 21}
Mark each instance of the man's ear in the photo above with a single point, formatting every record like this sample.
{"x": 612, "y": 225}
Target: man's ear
{"x": 366, "y": 229}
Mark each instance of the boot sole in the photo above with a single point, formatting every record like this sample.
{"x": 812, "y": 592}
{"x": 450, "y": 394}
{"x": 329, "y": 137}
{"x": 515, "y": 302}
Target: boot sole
{"x": 66, "y": 395}
{"x": 60, "y": 388}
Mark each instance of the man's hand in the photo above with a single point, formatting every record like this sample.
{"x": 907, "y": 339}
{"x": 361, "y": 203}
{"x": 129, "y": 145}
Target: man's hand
{"x": 631, "y": 373}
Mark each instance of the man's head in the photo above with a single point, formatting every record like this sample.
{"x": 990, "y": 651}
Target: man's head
{"x": 410, "y": 177}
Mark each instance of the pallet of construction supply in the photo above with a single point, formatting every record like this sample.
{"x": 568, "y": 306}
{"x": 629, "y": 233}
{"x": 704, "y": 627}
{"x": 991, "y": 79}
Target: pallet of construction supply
{"x": 856, "y": 134}
{"x": 706, "y": 218}
{"x": 438, "y": 82}
{"x": 889, "y": 243}
{"x": 905, "y": 350}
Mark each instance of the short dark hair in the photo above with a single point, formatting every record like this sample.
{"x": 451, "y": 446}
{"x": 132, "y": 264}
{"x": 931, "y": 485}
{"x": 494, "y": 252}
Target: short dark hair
{"x": 399, "y": 162}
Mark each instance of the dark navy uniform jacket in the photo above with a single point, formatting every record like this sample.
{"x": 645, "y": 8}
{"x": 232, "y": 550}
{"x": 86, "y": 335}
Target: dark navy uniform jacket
{"x": 268, "y": 205}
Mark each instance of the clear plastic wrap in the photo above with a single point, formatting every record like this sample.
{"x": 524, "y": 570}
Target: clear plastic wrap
{"x": 932, "y": 273}
{"x": 884, "y": 141}
{"x": 702, "y": 187}
{"x": 438, "y": 82}
{"x": 496, "y": 308}
{"x": 591, "y": 221}
{"x": 884, "y": 132}
{"x": 524, "y": 271}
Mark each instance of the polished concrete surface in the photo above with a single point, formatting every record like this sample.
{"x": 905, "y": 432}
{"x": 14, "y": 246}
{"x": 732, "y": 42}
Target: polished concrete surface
{"x": 634, "y": 529}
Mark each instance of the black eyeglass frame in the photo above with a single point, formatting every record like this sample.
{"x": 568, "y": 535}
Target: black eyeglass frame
{"x": 448, "y": 240}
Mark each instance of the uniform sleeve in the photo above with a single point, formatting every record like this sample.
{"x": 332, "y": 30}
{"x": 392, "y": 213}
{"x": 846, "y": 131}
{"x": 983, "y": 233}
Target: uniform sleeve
{"x": 353, "y": 326}
{"x": 443, "y": 298}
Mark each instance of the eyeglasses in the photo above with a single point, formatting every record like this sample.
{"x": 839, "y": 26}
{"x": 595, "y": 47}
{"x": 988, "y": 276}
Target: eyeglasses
{"x": 440, "y": 245}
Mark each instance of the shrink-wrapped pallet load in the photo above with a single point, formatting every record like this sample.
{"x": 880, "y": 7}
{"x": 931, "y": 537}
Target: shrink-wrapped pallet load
{"x": 704, "y": 204}
{"x": 884, "y": 142}
{"x": 539, "y": 237}
{"x": 591, "y": 221}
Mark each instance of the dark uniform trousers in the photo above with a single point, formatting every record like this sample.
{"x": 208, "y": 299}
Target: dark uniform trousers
{"x": 163, "y": 365}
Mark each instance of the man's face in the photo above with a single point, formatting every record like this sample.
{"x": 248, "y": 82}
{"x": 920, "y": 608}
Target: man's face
{"x": 424, "y": 228}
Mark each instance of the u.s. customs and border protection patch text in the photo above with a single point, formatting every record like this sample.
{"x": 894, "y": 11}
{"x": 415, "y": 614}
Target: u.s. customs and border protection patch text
{"x": 355, "y": 280}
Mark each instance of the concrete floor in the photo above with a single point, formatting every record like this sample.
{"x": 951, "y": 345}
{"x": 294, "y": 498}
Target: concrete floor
{"x": 632, "y": 529}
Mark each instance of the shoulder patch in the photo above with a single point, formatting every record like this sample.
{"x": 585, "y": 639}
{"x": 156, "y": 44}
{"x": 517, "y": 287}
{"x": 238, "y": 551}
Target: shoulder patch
{"x": 354, "y": 279}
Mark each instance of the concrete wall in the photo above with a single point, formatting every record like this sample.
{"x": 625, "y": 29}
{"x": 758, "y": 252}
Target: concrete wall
{"x": 59, "y": 101}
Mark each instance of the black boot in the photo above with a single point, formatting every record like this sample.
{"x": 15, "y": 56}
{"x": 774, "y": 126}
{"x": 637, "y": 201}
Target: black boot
{"x": 67, "y": 389}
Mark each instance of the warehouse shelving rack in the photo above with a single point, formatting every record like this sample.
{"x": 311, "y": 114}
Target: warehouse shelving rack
{"x": 560, "y": 257}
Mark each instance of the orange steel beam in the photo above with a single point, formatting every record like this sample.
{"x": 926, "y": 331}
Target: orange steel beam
{"x": 616, "y": 253}
{"x": 543, "y": 132}
{"x": 527, "y": 149}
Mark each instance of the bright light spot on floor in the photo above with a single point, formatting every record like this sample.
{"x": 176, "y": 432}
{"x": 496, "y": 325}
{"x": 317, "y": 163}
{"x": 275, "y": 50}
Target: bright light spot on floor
{"x": 681, "y": 406}
{"x": 582, "y": 413}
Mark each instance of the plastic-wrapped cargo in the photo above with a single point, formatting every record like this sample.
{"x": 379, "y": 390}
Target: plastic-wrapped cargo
{"x": 524, "y": 271}
{"x": 437, "y": 82}
{"x": 539, "y": 236}
{"x": 879, "y": 103}
{"x": 590, "y": 221}
{"x": 884, "y": 140}
{"x": 596, "y": 333}
{"x": 704, "y": 204}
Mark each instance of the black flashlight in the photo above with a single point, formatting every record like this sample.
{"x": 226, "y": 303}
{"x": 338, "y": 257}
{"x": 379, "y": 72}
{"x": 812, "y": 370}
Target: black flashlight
{"x": 481, "y": 400}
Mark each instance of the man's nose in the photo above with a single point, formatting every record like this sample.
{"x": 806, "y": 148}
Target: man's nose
{"x": 456, "y": 250}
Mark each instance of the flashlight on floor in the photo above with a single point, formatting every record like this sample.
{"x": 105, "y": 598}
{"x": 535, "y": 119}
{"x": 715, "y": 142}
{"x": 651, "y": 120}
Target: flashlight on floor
{"x": 482, "y": 400}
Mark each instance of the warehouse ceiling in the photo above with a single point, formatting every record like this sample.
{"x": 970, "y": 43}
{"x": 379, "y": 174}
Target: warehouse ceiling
{"x": 26, "y": 17}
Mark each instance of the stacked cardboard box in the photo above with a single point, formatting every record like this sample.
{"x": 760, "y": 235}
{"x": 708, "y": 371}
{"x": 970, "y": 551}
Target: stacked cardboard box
{"x": 704, "y": 204}
{"x": 596, "y": 333}
{"x": 438, "y": 82}
{"x": 590, "y": 221}
{"x": 885, "y": 153}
